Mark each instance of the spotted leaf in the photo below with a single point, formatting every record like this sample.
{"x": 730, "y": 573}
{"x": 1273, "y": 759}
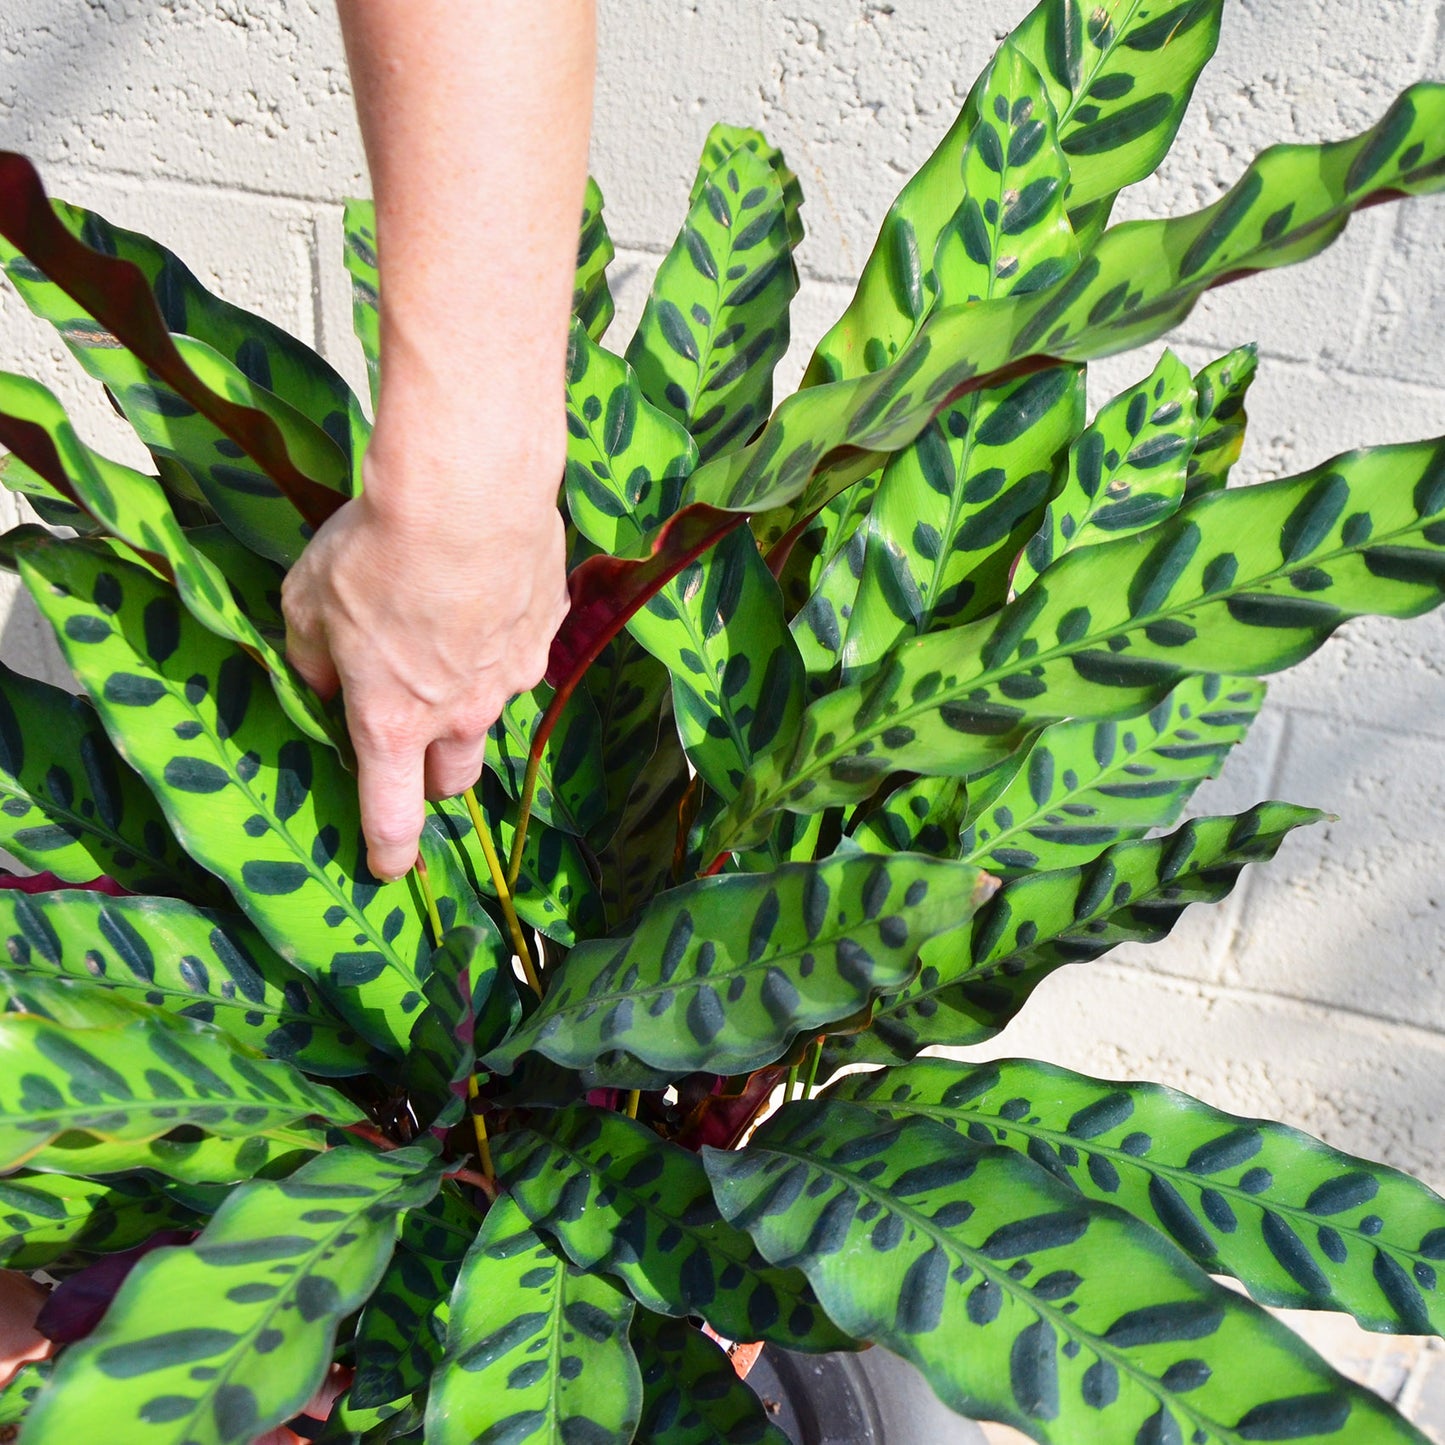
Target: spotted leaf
{"x": 70, "y": 806}
{"x": 47, "y": 1217}
{"x": 629, "y": 688}
{"x": 199, "y": 394}
{"x": 954, "y": 508}
{"x": 138, "y": 1080}
{"x": 1126, "y": 472}
{"x": 554, "y": 893}
{"x": 691, "y": 1394}
{"x": 723, "y": 973}
{"x": 1083, "y": 786}
{"x": 1251, "y": 580}
{"x": 620, "y": 1201}
{"x": 592, "y": 302}
{"x": 707, "y": 624}
{"x": 20, "y": 1392}
{"x": 716, "y": 320}
{"x": 1221, "y": 388}
{"x": 133, "y": 507}
{"x": 268, "y": 811}
{"x": 968, "y": 989}
{"x": 1138, "y": 281}
{"x": 637, "y": 864}
{"x": 571, "y": 790}
{"x": 536, "y": 1350}
{"x": 290, "y": 1258}
{"x": 1120, "y": 75}
{"x": 1302, "y": 1225}
{"x": 626, "y": 458}
{"x": 1084, "y": 69}
{"x": 401, "y": 1332}
{"x": 197, "y": 963}
{"x": 360, "y": 255}
{"x": 1020, "y": 1300}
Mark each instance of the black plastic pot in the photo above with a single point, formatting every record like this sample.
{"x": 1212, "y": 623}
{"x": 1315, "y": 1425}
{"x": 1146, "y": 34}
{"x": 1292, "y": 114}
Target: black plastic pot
{"x": 872, "y": 1398}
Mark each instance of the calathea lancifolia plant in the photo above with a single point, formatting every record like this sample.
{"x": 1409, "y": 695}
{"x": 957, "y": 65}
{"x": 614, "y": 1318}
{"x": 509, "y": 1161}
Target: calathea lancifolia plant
{"x": 867, "y": 717}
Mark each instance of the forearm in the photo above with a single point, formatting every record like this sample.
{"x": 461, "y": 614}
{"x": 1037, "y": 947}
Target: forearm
{"x": 475, "y": 117}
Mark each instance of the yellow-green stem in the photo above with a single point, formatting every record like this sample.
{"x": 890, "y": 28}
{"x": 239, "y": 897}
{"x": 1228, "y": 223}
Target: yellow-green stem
{"x": 633, "y": 1100}
{"x": 424, "y": 882}
{"x": 790, "y": 1087}
{"x": 479, "y": 1126}
{"x": 815, "y": 1057}
{"x": 504, "y": 892}
{"x": 524, "y": 817}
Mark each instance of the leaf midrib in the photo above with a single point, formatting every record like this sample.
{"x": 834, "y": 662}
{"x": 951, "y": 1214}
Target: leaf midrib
{"x": 710, "y": 1242}
{"x": 925, "y": 1226}
{"x": 11, "y": 786}
{"x": 1174, "y": 1172}
{"x": 1117, "y": 767}
{"x": 279, "y": 829}
{"x": 992, "y": 970}
{"x": 316, "y": 1255}
{"x": 1063, "y": 651}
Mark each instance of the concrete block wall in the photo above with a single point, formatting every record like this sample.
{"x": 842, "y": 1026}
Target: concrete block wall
{"x": 1317, "y": 993}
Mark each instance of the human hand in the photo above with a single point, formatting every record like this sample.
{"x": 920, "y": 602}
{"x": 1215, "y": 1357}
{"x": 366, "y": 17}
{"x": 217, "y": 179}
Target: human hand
{"x": 431, "y": 599}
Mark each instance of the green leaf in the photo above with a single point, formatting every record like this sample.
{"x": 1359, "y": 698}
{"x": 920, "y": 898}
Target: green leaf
{"x": 236, "y": 358}
{"x": 136, "y": 1081}
{"x": 1138, "y": 281}
{"x": 691, "y": 1395}
{"x": 925, "y": 816}
{"x": 203, "y": 965}
{"x": 554, "y": 892}
{"x": 1221, "y": 388}
{"x": 571, "y": 788}
{"x": 720, "y": 975}
{"x": 1083, "y": 786}
{"x": 268, "y": 811}
{"x": 592, "y": 303}
{"x": 358, "y": 221}
{"x": 51, "y": 503}
{"x": 630, "y": 689}
{"x": 263, "y": 351}
{"x": 471, "y": 1003}
{"x": 1250, "y": 580}
{"x": 626, "y": 459}
{"x": 1019, "y": 1300}
{"x": 290, "y": 1258}
{"x": 722, "y": 141}
{"x": 1120, "y": 75}
{"x": 133, "y": 507}
{"x": 1126, "y": 472}
{"x": 22, "y": 1390}
{"x": 1302, "y": 1225}
{"x": 819, "y": 577}
{"x": 625, "y": 463}
{"x": 953, "y": 510}
{"x": 966, "y": 992}
{"x": 401, "y": 1332}
{"x": 1010, "y": 232}
{"x": 621, "y": 1201}
{"x": 185, "y": 1157}
{"x": 46, "y": 1217}
{"x": 70, "y": 806}
{"x": 737, "y": 678}
{"x": 637, "y": 863}
{"x": 1096, "y": 65}
{"x": 716, "y": 321}
{"x": 537, "y": 1351}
